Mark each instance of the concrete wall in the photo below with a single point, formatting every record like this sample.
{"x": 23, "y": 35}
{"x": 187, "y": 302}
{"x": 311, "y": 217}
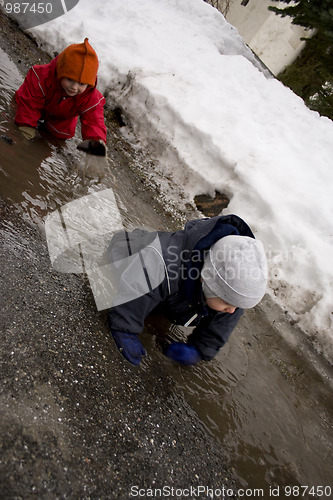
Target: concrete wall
{"x": 274, "y": 39}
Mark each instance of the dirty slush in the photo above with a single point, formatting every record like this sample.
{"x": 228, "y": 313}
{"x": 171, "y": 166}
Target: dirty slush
{"x": 76, "y": 420}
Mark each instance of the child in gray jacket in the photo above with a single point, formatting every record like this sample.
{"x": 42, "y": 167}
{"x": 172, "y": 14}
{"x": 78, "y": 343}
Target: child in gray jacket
{"x": 201, "y": 276}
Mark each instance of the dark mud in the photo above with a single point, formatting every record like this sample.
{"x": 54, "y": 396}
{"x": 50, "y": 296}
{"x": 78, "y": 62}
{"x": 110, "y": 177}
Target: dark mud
{"x": 20, "y": 46}
{"x": 77, "y": 421}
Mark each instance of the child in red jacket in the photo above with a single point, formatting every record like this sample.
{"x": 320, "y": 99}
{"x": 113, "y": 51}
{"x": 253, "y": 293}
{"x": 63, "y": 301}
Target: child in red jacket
{"x": 58, "y": 92}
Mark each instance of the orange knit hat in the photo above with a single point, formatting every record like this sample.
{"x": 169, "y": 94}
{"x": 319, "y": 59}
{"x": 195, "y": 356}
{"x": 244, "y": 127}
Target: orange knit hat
{"x": 78, "y": 62}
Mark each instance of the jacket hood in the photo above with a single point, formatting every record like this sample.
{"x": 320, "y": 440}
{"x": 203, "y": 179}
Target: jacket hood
{"x": 201, "y": 234}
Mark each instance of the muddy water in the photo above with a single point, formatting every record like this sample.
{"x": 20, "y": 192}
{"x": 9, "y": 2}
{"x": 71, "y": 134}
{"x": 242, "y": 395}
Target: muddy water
{"x": 265, "y": 404}
{"x": 34, "y": 174}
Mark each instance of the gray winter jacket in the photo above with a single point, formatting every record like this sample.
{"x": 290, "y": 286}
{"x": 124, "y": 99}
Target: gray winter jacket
{"x": 173, "y": 285}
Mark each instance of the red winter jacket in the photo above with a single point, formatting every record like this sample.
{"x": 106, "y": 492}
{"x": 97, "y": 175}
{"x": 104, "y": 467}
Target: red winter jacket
{"x": 41, "y": 97}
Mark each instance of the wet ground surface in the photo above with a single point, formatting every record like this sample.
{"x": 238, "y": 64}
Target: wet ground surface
{"x": 77, "y": 421}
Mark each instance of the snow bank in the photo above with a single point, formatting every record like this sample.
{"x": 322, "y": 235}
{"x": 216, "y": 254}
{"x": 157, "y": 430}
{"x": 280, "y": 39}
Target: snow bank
{"x": 193, "y": 92}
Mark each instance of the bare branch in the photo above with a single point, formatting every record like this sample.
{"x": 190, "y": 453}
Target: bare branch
{"x": 222, "y": 5}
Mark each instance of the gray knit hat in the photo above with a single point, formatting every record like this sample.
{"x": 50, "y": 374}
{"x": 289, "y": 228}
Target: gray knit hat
{"x": 235, "y": 270}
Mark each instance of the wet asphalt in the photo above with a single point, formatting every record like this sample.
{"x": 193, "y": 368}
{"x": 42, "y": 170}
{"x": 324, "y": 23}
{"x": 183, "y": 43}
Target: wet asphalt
{"x": 77, "y": 421}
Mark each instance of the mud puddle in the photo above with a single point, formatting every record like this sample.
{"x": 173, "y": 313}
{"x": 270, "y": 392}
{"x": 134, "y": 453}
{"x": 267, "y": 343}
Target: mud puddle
{"x": 265, "y": 405}
{"x": 267, "y": 408}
